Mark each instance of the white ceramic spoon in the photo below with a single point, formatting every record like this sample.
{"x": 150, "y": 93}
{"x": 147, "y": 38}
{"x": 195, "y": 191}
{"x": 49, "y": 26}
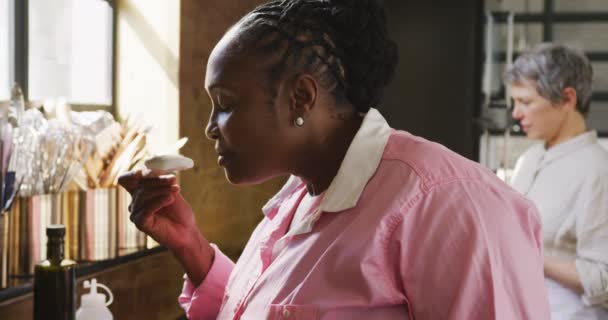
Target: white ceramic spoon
{"x": 166, "y": 164}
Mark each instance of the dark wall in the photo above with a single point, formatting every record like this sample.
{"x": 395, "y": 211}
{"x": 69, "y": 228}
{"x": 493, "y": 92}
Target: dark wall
{"x": 436, "y": 90}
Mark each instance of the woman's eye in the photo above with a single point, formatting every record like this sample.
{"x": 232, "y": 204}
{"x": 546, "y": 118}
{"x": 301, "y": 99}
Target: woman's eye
{"x": 222, "y": 104}
{"x": 223, "y": 107}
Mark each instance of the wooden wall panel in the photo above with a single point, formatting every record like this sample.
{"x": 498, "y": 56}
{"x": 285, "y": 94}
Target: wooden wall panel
{"x": 226, "y": 214}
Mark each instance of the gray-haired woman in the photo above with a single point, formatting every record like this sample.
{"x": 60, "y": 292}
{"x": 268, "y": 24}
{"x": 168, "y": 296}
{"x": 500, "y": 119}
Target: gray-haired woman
{"x": 566, "y": 176}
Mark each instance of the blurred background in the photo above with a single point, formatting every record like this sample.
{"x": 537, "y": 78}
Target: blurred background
{"x": 137, "y": 67}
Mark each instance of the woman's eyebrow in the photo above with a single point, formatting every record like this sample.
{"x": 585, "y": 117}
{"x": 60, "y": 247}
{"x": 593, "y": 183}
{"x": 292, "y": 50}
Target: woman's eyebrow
{"x": 222, "y": 90}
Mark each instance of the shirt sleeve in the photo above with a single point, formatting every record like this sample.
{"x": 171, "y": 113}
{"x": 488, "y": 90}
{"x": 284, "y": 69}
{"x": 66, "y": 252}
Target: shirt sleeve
{"x": 592, "y": 241}
{"x": 468, "y": 252}
{"x": 204, "y": 302}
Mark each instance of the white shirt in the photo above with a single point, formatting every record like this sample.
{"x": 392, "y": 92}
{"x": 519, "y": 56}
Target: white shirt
{"x": 307, "y": 205}
{"x": 569, "y": 185}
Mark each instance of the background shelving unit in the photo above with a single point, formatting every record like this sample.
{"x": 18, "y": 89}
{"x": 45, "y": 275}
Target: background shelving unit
{"x": 583, "y": 24}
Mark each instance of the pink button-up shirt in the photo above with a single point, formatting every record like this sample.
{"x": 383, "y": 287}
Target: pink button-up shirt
{"x": 406, "y": 230}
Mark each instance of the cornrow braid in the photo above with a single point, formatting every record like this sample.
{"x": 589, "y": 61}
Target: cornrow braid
{"x": 344, "y": 42}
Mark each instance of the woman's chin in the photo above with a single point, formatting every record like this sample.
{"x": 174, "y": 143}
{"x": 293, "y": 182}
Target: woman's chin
{"x": 534, "y": 136}
{"x": 238, "y": 179}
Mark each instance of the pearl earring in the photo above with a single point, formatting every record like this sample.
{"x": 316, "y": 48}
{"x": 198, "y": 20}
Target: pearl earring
{"x": 299, "y": 122}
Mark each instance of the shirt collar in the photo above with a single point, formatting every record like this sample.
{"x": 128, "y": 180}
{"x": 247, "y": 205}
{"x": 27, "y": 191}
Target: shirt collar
{"x": 359, "y": 164}
{"x": 569, "y": 146}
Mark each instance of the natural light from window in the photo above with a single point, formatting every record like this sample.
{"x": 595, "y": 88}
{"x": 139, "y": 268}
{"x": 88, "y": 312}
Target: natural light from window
{"x": 5, "y": 19}
{"x": 70, "y": 51}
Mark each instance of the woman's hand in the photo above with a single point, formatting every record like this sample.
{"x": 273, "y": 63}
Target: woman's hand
{"x": 159, "y": 210}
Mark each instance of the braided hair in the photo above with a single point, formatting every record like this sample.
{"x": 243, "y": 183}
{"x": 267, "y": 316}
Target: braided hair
{"x": 344, "y": 43}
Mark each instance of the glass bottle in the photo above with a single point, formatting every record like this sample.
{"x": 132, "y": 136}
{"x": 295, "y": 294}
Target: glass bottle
{"x": 54, "y": 280}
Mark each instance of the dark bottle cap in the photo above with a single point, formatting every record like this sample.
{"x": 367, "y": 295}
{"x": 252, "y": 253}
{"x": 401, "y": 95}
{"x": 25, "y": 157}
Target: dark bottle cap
{"x": 55, "y": 230}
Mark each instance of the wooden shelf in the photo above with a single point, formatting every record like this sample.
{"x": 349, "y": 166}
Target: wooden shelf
{"x": 145, "y": 285}
{"x": 21, "y": 286}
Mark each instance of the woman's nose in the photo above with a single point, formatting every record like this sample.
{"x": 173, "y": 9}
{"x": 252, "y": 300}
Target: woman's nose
{"x": 516, "y": 113}
{"x": 212, "y": 129}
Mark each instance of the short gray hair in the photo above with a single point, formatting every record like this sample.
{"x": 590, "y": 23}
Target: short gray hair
{"x": 554, "y": 67}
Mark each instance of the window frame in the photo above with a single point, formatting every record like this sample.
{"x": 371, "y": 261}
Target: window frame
{"x": 19, "y": 55}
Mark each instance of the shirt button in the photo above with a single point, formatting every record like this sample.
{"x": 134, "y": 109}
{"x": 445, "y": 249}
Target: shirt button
{"x": 286, "y": 313}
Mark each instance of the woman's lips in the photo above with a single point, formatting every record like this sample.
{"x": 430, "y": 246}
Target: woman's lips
{"x": 222, "y": 155}
{"x": 221, "y": 160}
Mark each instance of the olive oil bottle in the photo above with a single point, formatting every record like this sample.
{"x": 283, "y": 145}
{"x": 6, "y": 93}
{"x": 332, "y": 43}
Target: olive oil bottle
{"x": 55, "y": 280}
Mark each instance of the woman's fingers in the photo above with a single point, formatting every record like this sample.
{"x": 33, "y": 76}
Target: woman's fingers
{"x": 149, "y": 195}
{"x": 130, "y": 180}
{"x": 145, "y": 212}
{"x": 166, "y": 180}
{"x": 133, "y": 180}
{"x": 143, "y": 196}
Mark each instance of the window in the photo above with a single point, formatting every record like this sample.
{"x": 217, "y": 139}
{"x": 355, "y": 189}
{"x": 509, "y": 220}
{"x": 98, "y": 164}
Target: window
{"x": 63, "y": 48}
{"x": 597, "y": 115}
{"x": 5, "y": 53}
{"x": 517, "y": 6}
{"x": 589, "y": 36}
{"x": 581, "y": 5}
{"x": 582, "y": 24}
{"x": 70, "y": 50}
{"x": 579, "y": 23}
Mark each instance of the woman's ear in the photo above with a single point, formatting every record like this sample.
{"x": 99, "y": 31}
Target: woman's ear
{"x": 569, "y": 98}
{"x": 304, "y": 95}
